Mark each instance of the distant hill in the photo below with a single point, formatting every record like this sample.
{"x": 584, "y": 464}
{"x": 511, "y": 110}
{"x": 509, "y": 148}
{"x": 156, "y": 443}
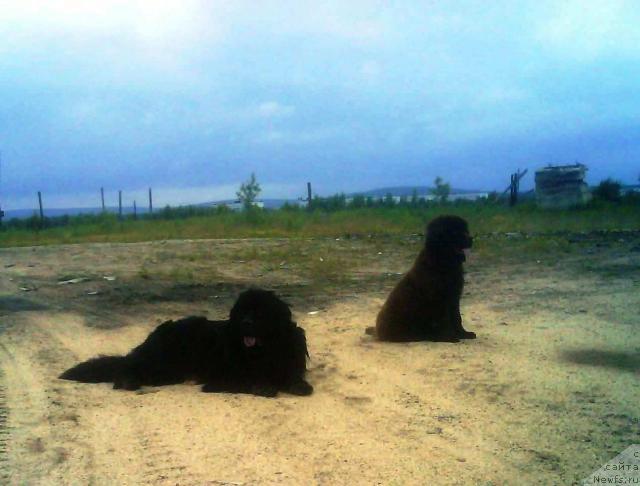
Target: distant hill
{"x": 272, "y": 203}
{"x": 54, "y": 212}
{"x": 408, "y": 191}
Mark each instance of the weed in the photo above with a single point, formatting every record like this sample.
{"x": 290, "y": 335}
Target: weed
{"x": 346, "y": 223}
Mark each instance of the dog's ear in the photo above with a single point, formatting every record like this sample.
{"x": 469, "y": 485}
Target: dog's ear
{"x": 235, "y": 314}
{"x": 286, "y": 311}
{"x": 437, "y": 232}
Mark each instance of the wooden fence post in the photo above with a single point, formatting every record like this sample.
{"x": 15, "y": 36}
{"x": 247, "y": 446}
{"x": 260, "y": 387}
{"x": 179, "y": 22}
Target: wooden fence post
{"x": 309, "y": 196}
{"x": 514, "y": 187}
{"x": 512, "y": 191}
{"x": 41, "y": 210}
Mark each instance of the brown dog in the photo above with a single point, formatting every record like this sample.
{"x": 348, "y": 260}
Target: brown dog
{"x": 425, "y": 304}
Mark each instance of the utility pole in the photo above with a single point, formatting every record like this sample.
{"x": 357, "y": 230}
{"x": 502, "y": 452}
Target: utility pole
{"x": 102, "y": 197}
{"x": 309, "y": 196}
{"x": 120, "y": 204}
{"x": 135, "y": 210}
{"x": 1, "y": 211}
{"x": 150, "y": 202}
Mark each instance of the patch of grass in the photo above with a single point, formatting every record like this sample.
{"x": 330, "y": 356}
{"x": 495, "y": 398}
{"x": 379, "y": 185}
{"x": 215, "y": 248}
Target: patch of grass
{"x": 483, "y": 219}
{"x": 144, "y": 273}
{"x": 496, "y": 249}
{"x": 181, "y": 274}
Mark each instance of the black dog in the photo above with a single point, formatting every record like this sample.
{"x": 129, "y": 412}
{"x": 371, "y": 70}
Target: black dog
{"x": 260, "y": 350}
{"x": 425, "y": 304}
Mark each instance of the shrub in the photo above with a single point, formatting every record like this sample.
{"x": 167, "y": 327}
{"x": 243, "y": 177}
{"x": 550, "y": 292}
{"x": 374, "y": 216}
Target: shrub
{"x": 608, "y": 190}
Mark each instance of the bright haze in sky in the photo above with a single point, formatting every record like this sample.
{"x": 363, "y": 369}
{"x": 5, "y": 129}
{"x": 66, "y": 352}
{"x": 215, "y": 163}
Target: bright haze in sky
{"x": 190, "y": 97}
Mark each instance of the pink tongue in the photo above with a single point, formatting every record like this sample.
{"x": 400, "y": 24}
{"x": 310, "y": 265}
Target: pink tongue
{"x": 249, "y": 341}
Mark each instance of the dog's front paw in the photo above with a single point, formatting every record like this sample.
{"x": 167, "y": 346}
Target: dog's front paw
{"x": 467, "y": 335}
{"x": 446, "y": 337}
{"x": 301, "y": 388}
{"x": 264, "y": 390}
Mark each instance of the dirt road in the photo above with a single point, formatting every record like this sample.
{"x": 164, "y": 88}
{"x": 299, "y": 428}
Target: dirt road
{"x": 546, "y": 394}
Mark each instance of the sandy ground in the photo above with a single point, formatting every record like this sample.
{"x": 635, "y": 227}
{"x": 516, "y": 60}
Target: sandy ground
{"x": 546, "y": 394}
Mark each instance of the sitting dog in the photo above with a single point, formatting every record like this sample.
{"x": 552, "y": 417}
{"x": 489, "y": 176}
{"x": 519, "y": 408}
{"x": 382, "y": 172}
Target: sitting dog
{"x": 425, "y": 304}
{"x": 260, "y": 350}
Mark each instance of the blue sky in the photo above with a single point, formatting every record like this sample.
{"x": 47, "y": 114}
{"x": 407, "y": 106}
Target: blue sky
{"x": 190, "y": 97}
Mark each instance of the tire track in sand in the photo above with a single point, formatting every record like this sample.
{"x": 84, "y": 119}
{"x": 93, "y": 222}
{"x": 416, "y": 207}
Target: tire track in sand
{"x": 36, "y": 423}
{"x": 4, "y": 426}
{"x": 4, "y": 433}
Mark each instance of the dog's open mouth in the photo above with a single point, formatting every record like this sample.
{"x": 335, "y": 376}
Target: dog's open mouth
{"x": 249, "y": 341}
{"x": 463, "y": 253}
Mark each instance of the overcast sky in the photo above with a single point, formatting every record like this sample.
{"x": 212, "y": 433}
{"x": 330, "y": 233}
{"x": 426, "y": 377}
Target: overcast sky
{"x": 190, "y": 97}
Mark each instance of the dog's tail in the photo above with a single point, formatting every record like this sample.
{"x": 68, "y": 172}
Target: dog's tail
{"x": 103, "y": 369}
{"x": 371, "y": 331}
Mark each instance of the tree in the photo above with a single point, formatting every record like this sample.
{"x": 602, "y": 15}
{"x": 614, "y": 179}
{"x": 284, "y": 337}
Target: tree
{"x": 492, "y": 197}
{"x": 608, "y": 190}
{"x": 249, "y": 192}
{"x": 441, "y": 190}
{"x": 414, "y": 199}
{"x": 358, "y": 201}
{"x": 388, "y": 201}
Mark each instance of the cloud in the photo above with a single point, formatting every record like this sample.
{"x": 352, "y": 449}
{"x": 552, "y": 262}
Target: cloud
{"x": 162, "y": 22}
{"x": 125, "y": 93}
{"x": 370, "y": 70}
{"x": 297, "y": 137}
{"x": 588, "y": 30}
{"x": 360, "y": 22}
{"x": 273, "y": 109}
{"x": 111, "y": 42}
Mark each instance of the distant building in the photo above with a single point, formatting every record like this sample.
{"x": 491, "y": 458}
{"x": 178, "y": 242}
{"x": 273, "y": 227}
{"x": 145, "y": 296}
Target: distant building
{"x": 236, "y": 205}
{"x": 466, "y": 196}
{"x": 562, "y": 186}
{"x": 626, "y": 190}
